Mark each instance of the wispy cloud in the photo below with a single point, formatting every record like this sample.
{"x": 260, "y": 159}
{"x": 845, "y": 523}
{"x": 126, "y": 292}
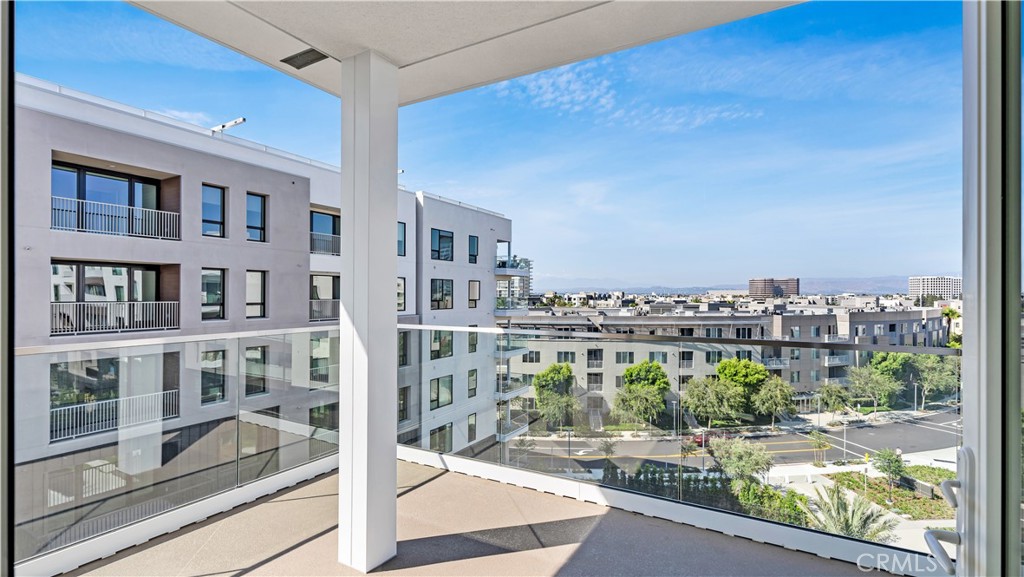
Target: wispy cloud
{"x": 572, "y": 88}
{"x": 200, "y": 118}
{"x": 646, "y": 116}
{"x": 115, "y": 33}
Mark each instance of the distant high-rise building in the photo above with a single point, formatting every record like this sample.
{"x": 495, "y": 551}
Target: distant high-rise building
{"x": 946, "y": 287}
{"x": 773, "y": 287}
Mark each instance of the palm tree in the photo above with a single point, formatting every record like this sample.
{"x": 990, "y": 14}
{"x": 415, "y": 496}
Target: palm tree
{"x": 950, "y": 314}
{"x": 853, "y": 517}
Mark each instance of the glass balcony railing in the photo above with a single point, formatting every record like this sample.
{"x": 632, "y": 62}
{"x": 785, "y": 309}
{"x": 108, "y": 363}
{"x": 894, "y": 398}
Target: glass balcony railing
{"x": 110, "y": 433}
{"x": 510, "y": 264}
{"x": 765, "y": 446}
{"x": 115, "y": 219}
{"x": 510, "y": 303}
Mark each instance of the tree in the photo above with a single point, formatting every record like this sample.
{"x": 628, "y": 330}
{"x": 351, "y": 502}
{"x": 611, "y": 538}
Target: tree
{"x": 774, "y": 396}
{"x": 950, "y": 314}
{"x": 870, "y": 383}
{"x": 742, "y": 460}
{"x": 712, "y": 399}
{"x": 522, "y": 447}
{"x": 897, "y": 366}
{"x": 821, "y": 444}
{"x": 832, "y": 512}
{"x": 642, "y": 395}
{"x": 891, "y": 465}
{"x": 745, "y": 373}
{"x": 834, "y": 398}
{"x": 607, "y": 447}
{"x": 557, "y": 378}
{"x": 557, "y": 408}
{"x": 936, "y": 375}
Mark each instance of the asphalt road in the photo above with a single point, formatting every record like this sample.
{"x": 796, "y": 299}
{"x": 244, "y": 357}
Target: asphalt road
{"x": 936, "y": 431}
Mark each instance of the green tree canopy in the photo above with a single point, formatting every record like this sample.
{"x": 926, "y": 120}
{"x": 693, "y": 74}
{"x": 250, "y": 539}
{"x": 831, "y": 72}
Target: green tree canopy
{"x": 742, "y": 460}
{"x": 642, "y": 395}
{"x": 745, "y": 373}
{"x": 558, "y": 408}
{"x": 891, "y": 465}
{"x": 870, "y": 383}
{"x": 557, "y": 379}
{"x": 774, "y": 396}
{"x": 897, "y": 366}
{"x": 834, "y": 398}
{"x": 712, "y": 399}
{"x": 937, "y": 375}
{"x": 646, "y": 374}
{"x": 856, "y": 517}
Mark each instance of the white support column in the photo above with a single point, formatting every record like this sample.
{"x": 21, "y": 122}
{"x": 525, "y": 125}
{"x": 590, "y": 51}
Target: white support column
{"x": 368, "y": 413}
{"x": 6, "y": 267}
{"x": 989, "y": 502}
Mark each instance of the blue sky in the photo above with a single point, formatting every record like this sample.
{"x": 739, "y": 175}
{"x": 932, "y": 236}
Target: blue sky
{"x": 822, "y": 140}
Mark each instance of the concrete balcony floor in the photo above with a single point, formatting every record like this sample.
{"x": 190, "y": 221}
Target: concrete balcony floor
{"x": 452, "y": 524}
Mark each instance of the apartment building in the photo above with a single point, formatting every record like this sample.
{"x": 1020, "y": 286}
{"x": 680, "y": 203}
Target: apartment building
{"x": 181, "y": 289}
{"x": 945, "y": 287}
{"x": 598, "y": 365}
{"x": 773, "y": 287}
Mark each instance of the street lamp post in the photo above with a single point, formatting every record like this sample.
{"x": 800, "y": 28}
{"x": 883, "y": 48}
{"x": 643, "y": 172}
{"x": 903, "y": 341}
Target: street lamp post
{"x": 674, "y": 419}
{"x": 819, "y": 409}
{"x": 913, "y": 382}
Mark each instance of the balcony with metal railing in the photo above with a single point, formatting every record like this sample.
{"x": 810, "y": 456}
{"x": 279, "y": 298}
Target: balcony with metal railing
{"x": 506, "y": 306}
{"x": 775, "y": 363}
{"x": 114, "y": 219}
{"x": 94, "y": 417}
{"x": 510, "y": 266}
{"x": 324, "y": 309}
{"x": 837, "y": 338}
{"x": 511, "y": 426}
{"x": 323, "y": 243}
{"x": 509, "y": 386}
{"x": 112, "y": 317}
{"x": 836, "y": 361}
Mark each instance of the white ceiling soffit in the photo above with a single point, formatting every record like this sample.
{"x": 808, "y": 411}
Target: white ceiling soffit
{"x": 443, "y": 47}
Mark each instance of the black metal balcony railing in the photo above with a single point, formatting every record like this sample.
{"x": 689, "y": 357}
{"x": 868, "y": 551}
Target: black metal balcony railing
{"x": 114, "y": 219}
{"x": 322, "y": 243}
{"x": 324, "y": 309}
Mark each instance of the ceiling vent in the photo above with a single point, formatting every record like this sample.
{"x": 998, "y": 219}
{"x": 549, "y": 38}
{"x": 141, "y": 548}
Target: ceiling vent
{"x": 304, "y": 58}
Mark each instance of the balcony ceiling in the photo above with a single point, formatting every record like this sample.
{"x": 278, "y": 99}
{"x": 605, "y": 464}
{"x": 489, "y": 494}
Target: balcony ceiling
{"x": 444, "y": 47}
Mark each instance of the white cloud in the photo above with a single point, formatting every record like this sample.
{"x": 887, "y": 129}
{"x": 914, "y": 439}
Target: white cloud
{"x": 200, "y": 118}
{"x": 571, "y": 88}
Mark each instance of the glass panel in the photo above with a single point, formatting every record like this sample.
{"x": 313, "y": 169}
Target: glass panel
{"x": 106, "y": 189}
{"x": 213, "y": 211}
{"x": 146, "y": 196}
{"x": 212, "y": 293}
{"x": 324, "y": 287}
{"x": 401, "y": 239}
{"x": 255, "y": 206}
{"x": 64, "y": 282}
{"x": 255, "y": 293}
{"x": 63, "y": 182}
{"x": 323, "y": 223}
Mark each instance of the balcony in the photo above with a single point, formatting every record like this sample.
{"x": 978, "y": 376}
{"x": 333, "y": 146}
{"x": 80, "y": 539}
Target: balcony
{"x": 324, "y": 309}
{"x": 836, "y": 361}
{"x": 505, "y": 266}
{"x": 837, "y": 338}
{"x": 511, "y": 306}
{"x": 323, "y": 243}
{"x": 511, "y": 427}
{"x": 112, "y": 317}
{"x": 772, "y": 363}
{"x": 101, "y": 416}
{"x": 511, "y": 386}
{"x": 113, "y": 219}
{"x": 509, "y": 346}
{"x": 841, "y": 381}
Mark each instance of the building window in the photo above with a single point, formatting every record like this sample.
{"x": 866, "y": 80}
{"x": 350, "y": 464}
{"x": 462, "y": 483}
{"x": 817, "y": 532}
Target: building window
{"x": 403, "y": 404}
{"x": 618, "y": 381}
{"x": 815, "y": 354}
{"x": 255, "y": 294}
{"x": 255, "y": 370}
{"x": 440, "y": 293}
{"x": 816, "y": 331}
{"x": 213, "y": 211}
{"x": 595, "y": 382}
{"x": 473, "y": 339}
{"x": 815, "y": 375}
{"x": 440, "y": 392}
{"x": 658, "y": 357}
{"x": 256, "y": 217}
{"x": 686, "y": 332}
{"x": 474, "y": 248}
{"x": 794, "y": 354}
{"x": 713, "y": 333}
{"x": 441, "y": 244}
{"x": 624, "y": 358}
{"x": 892, "y": 327}
{"x": 686, "y": 360}
{"x": 211, "y": 378}
{"x": 401, "y": 239}
{"x": 712, "y": 357}
{"x": 471, "y": 383}
{"x": 744, "y": 333}
{"x": 471, "y": 428}
{"x": 595, "y": 358}
{"x": 441, "y": 439}
{"x": 324, "y": 417}
{"x": 794, "y": 377}
{"x": 324, "y": 287}
{"x": 880, "y": 330}
{"x": 531, "y": 357}
{"x": 474, "y": 293}
{"x": 744, "y": 355}
{"x": 401, "y": 293}
{"x": 213, "y": 293}
{"x": 440, "y": 344}
{"x": 566, "y": 356}
{"x": 794, "y": 332}
{"x": 403, "y": 348}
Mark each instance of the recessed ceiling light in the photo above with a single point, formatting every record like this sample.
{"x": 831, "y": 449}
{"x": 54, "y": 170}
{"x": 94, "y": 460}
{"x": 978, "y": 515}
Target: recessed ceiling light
{"x": 304, "y": 58}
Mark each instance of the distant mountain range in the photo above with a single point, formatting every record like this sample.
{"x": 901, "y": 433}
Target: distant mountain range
{"x": 869, "y": 285}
